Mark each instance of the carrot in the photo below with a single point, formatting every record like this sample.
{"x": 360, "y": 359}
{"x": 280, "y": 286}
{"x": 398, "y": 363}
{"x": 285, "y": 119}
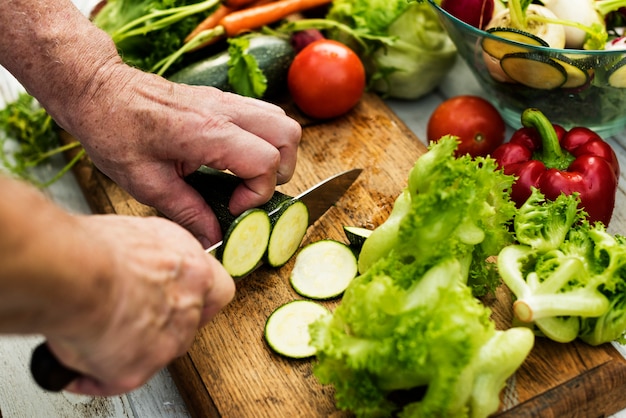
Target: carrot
{"x": 252, "y": 18}
{"x": 211, "y": 21}
{"x": 238, "y": 4}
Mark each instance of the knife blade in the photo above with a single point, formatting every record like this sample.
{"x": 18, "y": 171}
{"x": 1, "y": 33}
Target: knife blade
{"x": 318, "y": 198}
{"x": 51, "y": 375}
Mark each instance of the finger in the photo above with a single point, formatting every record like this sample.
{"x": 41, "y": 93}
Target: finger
{"x": 220, "y": 293}
{"x": 281, "y": 131}
{"x": 185, "y": 206}
{"x": 250, "y": 158}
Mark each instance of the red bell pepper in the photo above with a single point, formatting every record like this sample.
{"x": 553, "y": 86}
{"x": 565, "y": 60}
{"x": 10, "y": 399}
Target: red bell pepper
{"x": 546, "y": 156}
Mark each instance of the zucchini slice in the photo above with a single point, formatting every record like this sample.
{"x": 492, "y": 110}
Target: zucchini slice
{"x": 287, "y": 328}
{"x": 289, "y": 224}
{"x": 356, "y": 235}
{"x": 323, "y": 269}
{"x": 245, "y": 242}
{"x": 498, "y": 49}
{"x": 617, "y": 74}
{"x": 534, "y": 70}
{"x": 577, "y": 76}
{"x": 288, "y": 217}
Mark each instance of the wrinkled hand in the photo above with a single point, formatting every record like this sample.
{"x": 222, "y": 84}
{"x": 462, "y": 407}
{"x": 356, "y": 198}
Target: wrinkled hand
{"x": 147, "y": 134}
{"x": 156, "y": 287}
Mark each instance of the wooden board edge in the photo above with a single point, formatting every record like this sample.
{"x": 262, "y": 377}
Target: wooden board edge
{"x": 195, "y": 395}
{"x": 590, "y": 395}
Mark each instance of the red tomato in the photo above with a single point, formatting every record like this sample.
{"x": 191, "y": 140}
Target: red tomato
{"x": 326, "y": 79}
{"x": 477, "y": 123}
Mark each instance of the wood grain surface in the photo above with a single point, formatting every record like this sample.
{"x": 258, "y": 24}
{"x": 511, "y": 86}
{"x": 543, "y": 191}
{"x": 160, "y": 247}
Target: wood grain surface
{"x": 230, "y": 372}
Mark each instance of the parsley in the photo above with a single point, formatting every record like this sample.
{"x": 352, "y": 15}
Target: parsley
{"x": 29, "y": 137}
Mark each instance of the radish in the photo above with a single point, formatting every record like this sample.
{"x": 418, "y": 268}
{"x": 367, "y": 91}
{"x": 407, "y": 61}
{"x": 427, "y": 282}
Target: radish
{"x": 575, "y": 11}
{"x": 473, "y": 12}
{"x": 531, "y": 21}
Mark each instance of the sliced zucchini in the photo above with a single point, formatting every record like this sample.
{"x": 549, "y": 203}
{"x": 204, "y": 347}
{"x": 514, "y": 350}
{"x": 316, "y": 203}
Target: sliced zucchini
{"x": 356, "y": 235}
{"x": 498, "y": 49}
{"x": 289, "y": 217}
{"x": 534, "y": 70}
{"x": 245, "y": 242}
{"x": 577, "y": 76}
{"x": 323, "y": 269}
{"x": 617, "y": 74}
{"x": 287, "y": 328}
{"x": 290, "y": 222}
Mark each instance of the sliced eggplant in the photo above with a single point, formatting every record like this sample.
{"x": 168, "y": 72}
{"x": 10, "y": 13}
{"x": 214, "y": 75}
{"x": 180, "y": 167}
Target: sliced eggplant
{"x": 499, "y": 49}
{"x": 534, "y": 70}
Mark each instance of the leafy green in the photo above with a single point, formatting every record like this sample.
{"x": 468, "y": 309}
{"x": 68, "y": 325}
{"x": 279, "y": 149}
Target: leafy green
{"x": 150, "y": 33}
{"x": 29, "y": 138}
{"x": 409, "y": 339}
{"x": 458, "y": 207}
{"x": 569, "y": 287}
{"x": 405, "y": 49}
{"x": 244, "y": 73}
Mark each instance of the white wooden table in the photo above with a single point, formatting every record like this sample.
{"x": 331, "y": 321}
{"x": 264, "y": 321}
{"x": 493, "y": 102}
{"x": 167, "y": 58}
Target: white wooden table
{"x": 21, "y": 398}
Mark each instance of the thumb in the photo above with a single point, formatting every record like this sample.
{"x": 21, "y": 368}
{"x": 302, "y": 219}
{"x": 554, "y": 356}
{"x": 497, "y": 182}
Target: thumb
{"x": 187, "y": 208}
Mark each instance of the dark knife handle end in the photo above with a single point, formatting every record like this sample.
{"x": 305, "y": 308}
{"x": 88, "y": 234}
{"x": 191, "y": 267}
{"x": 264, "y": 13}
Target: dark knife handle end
{"x": 48, "y": 371}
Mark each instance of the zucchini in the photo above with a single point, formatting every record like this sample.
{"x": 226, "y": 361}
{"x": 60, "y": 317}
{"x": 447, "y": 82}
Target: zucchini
{"x": 289, "y": 224}
{"x": 617, "y": 74}
{"x": 272, "y": 54}
{"x": 498, "y": 49}
{"x": 356, "y": 235}
{"x": 534, "y": 70}
{"x": 287, "y": 328}
{"x": 288, "y": 219}
{"x": 323, "y": 269}
{"x": 577, "y": 76}
{"x": 245, "y": 242}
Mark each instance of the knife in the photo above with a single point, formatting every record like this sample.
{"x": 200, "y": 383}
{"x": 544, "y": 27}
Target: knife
{"x": 50, "y": 374}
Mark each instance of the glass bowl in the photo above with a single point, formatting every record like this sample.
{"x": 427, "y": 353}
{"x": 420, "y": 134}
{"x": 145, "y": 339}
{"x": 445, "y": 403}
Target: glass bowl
{"x": 571, "y": 87}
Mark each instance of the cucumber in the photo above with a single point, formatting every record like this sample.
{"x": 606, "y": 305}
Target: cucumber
{"x": 272, "y": 54}
{"x": 288, "y": 219}
{"x": 356, "y": 235}
{"x": 287, "y": 328}
{"x": 534, "y": 70}
{"x": 499, "y": 49}
{"x": 323, "y": 269}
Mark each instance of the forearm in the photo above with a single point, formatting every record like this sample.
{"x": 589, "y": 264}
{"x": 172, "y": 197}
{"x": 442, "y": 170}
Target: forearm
{"x": 56, "y": 53}
{"x": 44, "y": 286}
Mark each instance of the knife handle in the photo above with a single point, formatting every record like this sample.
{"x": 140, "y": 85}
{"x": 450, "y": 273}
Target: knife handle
{"x": 48, "y": 371}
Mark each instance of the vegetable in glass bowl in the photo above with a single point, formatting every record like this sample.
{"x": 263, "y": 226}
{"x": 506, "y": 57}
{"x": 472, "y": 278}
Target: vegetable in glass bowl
{"x": 518, "y": 70}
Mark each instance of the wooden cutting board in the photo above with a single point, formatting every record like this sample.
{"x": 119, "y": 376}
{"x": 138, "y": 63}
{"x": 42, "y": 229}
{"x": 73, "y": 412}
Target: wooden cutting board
{"x": 230, "y": 372}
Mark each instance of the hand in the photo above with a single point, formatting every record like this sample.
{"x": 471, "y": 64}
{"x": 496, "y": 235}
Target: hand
{"x": 147, "y": 134}
{"x": 157, "y": 287}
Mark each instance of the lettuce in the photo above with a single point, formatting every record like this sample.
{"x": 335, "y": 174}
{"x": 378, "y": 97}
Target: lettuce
{"x": 409, "y": 338}
{"x": 417, "y": 53}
